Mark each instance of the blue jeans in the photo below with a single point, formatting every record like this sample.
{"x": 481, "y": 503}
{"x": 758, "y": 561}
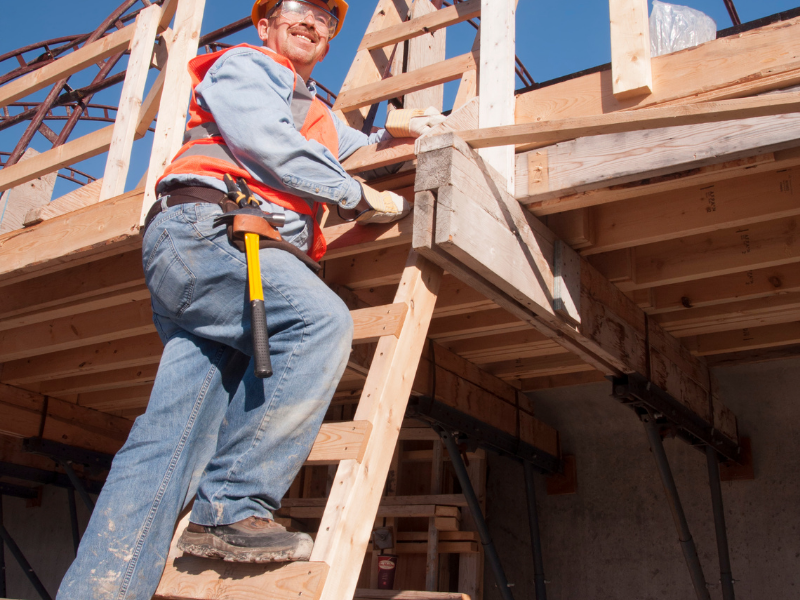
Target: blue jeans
{"x": 211, "y": 428}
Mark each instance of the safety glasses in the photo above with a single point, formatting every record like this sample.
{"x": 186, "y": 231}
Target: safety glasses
{"x": 296, "y": 11}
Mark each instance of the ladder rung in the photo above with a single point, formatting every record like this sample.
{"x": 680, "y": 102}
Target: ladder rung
{"x": 414, "y": 510}
{"x": 376, "y": 321}
{"x": 192, "y": 578}
{"x": 340, "y": 441}
{"x": 363, "y": 594}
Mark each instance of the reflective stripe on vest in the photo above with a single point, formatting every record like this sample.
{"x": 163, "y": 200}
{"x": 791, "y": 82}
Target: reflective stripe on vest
{"x": 205, "y": 153}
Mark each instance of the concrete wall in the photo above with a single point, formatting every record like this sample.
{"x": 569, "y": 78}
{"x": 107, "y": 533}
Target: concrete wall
{"x": 44, "y": 535}
{"x": 615, "y": 538}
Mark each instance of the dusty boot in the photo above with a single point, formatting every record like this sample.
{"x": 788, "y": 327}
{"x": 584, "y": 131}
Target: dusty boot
{"x": 253, "y": 539}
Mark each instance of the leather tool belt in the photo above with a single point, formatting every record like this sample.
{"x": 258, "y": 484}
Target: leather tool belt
{"x": 184, "y": 194}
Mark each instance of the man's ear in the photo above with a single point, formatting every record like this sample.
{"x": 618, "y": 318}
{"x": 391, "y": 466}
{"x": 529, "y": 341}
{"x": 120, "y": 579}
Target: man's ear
{"x": 263, "y": 27}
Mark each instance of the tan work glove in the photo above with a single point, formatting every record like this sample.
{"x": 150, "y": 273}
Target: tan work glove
{"x": 413, "y": 122}
{"x": 383, "y": 207}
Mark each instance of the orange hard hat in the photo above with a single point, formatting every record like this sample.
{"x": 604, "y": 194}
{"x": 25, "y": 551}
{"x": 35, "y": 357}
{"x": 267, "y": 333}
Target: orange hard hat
{"x": 338, "y": 8}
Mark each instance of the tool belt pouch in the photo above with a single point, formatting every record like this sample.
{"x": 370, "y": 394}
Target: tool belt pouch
{"x": 268, "y": 235}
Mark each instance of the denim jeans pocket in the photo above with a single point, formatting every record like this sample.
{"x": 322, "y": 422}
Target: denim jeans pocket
{"x": 170, "y": 281}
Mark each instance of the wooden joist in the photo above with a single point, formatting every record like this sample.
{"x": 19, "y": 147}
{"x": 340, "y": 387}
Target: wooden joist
{"x": 724, "y": 251}
{"x": 605, "y": 162}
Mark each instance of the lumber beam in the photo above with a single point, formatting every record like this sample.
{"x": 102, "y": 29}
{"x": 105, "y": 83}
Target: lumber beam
{"x": 551, "y": 132}
{"x": 731, "y": 250}
{"x": 743, "y": 65}
{"x": 477, "y": 231}
{"x": 405, "y": 83}
{"x": 593, "y": 163}
{"x": 28, "y": 414}
{"x": 108, "y": 228}
{"x": 67, "y": 65}
{"x": 732, "y": 203}
{"x": 420, "y": 25}
{"x": 630, "y": 48}
{"x": 79, "y": 198}
{"x": 749, "y": 338}
{"x": 710, "y": 291}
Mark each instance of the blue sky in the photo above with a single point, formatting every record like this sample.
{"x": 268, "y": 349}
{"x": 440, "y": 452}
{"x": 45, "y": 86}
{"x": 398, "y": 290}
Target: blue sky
{"x": 553, "y": 39}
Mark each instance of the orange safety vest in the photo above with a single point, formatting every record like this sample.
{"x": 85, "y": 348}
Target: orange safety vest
{"x": 318, "y": 126}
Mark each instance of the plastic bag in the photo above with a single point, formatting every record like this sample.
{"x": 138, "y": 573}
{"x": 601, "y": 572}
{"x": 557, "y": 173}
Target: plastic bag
{"x": 674, "y": 27}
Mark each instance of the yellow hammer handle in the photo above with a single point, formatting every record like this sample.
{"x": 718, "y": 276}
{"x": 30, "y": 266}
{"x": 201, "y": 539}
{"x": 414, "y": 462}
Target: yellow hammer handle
{"x": 253, "y": 266}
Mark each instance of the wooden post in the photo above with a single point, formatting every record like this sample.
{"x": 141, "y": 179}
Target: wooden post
{"x": 175, "y": 96}
{"x": 630, "y": 48}
{"x": 119, "y": 154}
{"x": 496, "y": 79}
{"x": 432, "y": 565}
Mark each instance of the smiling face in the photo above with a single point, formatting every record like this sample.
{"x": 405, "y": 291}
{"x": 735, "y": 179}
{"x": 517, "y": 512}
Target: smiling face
{"x": 301, "y": 42}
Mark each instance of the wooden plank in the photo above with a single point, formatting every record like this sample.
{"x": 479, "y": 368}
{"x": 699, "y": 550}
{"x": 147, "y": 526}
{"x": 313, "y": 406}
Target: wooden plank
{"x": 537, "y": 366}
{"x": 30, "y": 196}
{"x": 64, "y": 422}
{"x": 340, "y": 441}
{"x": 73, "y": 151}
{"x": 546, "y": 382}
{"x": 173, "y": 108}
{"x": 368, "y": 94}
{"x": 760, "y": 163}
{"x": 372, "y": 323}
{"x": 55, "y": 240}
{"x": 130, "y": 102}
{"x": 551, "y": 132}
{"x": 425, "y": 50}
{"x": 630, "y": 48}
{"x": 710, "y": 291}
{"x": 421, "y": 25}
{"x": 357, "y": 488}
{"x": 733, "y": 66}
{"x": 738, "y": 340}
{"x": 116, "y": 322}
{"x": 96, "y": 382}
{"x": 437, "y": 500}
{"x": 63, "y": 67}
{"x": 497, "y": 78}
{"x": 83, "y": 196}
{"x": 732, "y": 203}
{"x": 23, "y": 302}
{"x": 591, "y": 163}
{"x": 106, "y": 356}
{"x": 724, "y": 251}
{"x": 381, "y": 267}
{"x": 782, "y": 308}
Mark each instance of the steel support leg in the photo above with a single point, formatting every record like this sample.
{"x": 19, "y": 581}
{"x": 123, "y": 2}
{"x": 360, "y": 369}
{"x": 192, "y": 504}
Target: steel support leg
{"x": 76, "y": 483}
{"x": 23, "y": 563}
{"x": 73, "y": 520}
{"x": 3, "y": 593}
{"x": 536, "y": 541}
{"x": 477, "y": 515}
{"x": 725, "y": 577}
{"x": 685, "y": 537}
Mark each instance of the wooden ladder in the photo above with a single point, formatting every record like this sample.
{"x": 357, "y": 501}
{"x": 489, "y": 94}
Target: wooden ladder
{"x": 363, "y": 448}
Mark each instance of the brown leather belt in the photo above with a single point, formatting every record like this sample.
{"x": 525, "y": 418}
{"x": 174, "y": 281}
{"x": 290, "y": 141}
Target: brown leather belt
{"x": 184, "y": 194}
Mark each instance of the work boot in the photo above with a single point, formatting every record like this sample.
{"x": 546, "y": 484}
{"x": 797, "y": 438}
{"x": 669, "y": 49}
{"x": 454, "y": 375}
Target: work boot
{"x": 253, "y": 540}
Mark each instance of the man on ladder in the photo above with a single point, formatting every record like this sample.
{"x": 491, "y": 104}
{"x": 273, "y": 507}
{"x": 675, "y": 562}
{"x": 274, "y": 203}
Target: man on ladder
{"x": 218, "y": 429}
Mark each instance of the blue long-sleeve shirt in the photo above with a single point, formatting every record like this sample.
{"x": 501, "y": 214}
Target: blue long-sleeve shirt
{"x": 250, "y": 97}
